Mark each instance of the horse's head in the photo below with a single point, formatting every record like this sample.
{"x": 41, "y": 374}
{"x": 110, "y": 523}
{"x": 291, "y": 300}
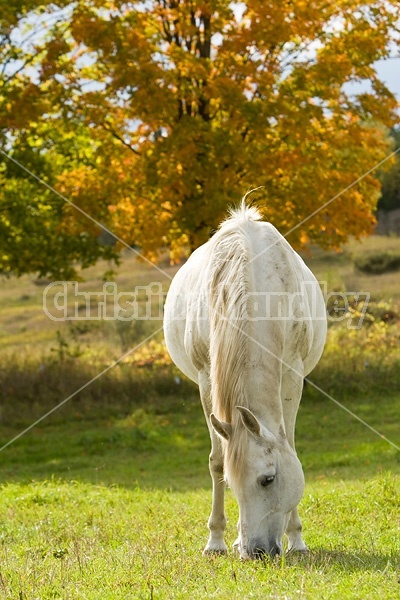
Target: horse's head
{"x": 267, "y": 479}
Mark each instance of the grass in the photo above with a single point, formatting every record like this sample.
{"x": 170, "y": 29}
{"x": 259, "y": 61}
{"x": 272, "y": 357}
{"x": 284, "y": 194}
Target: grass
{"x": 96, "y": 503}
{"x": 26, "y": 327}
{"x": 340, "y": 273}
{"x": 85, "y": 541}
{"x": 108, "y": 497}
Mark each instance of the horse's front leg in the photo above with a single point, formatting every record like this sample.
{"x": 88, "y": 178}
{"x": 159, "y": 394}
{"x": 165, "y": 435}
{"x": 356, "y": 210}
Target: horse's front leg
{"x": 217, "y": 520}
{"x": 293, "y": 531}
{"x": 291, "y": 390}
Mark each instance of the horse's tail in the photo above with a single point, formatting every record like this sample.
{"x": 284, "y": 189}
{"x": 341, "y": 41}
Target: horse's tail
{"x": 229, "y": 287}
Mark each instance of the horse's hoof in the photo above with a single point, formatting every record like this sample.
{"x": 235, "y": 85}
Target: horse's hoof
{"x": 210, "y": 551}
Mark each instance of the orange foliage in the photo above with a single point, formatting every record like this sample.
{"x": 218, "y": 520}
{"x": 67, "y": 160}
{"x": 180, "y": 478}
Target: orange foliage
{"x": 190, "y": 104}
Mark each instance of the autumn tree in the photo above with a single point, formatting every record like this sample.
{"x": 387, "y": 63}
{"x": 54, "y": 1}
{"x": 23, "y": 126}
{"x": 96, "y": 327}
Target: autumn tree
{"x": 390, "y": 198}
{"x": 33, "y": 236}
{"x": 182, "y": 106}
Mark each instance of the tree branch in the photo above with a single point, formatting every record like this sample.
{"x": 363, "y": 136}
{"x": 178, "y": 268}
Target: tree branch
{"x": 116, "y": 135}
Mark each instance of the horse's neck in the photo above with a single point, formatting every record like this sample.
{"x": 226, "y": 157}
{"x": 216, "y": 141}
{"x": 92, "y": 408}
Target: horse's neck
{"x": 263, "y": 393}
{"x": 263, "y": 372}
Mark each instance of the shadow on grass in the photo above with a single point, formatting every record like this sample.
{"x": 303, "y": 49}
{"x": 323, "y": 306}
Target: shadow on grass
{"x": 339, "y": 560}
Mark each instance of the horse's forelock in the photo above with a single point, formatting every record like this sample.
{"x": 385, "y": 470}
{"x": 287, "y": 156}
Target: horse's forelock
{"x": 235, "y": 453}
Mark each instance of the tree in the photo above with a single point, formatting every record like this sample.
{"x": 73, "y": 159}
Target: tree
{"x": 390, "y": 199}
{"x": 34, "y": 233}
{"x": 186, "y": 105}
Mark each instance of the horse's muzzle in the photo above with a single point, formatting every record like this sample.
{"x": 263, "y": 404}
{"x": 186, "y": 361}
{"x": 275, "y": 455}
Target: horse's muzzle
{"x": 261, "y": 552}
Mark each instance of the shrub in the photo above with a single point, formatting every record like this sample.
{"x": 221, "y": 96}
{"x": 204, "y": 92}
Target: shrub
{"x": 376, "y": 263}
{"x": 365, "y": 360}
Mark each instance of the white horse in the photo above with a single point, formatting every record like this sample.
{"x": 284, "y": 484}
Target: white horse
{"x": 245, "y": 319}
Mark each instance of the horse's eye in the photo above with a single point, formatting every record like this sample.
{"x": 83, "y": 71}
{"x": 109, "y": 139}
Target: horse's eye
{"x": 266, "y": 480}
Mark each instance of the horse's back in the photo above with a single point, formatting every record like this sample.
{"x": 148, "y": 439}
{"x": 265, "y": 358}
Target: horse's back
{"x": 294, "y": 308}
{"x": 273, "y": 270}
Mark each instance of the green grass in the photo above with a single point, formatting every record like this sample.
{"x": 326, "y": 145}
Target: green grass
{"x": 109, "y": 496}
{"x": 114, "y": 505}
{"x": 78, "y": 540}
{"x": 111, "y": 501}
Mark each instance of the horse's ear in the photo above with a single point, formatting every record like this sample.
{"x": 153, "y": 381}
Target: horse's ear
{"x": 249, "y": 420}
{"x": 254, "y": 426}
{"x": 223, "y": 429}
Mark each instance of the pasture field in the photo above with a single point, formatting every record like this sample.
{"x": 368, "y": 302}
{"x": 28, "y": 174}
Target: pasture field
{"x": 108, "y": 497}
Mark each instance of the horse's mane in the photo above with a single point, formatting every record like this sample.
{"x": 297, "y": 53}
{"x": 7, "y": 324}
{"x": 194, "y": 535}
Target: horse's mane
{"x": 229, "y": 287}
